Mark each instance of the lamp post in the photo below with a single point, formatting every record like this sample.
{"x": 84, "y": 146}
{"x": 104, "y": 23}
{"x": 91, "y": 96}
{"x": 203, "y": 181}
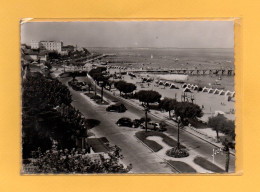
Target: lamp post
{"x": 178, "y": 138}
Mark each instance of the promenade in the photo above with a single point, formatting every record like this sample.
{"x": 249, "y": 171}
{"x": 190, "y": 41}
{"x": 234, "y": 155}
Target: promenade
{"x": 195, "y": 143}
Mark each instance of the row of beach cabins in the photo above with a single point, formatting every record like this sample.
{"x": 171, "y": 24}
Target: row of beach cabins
{"x": 186, "y": 87}
{"x": 116, "y": 67}
{"x": 189, "y": 87}
{"x": 167, "y": 84}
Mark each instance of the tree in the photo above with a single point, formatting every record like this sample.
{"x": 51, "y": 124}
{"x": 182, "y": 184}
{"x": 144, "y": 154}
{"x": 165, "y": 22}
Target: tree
{"x": 148, "y": 96}
{"x": 98, "y": 75}
{"x": 186, "y": 110}
{"x": 54, "y": 55}
{"x": 89, "y": 85}
{"x": 221, "y": 124}
{"x": 75, "y": 161}
{"x": 128, "y": 88}
{"x": 120, "y": 86}
{"x": 227, "y": 146}
{"x": 168, "y": 105}
{"x": 217, "y": 123}
{"x": 125, "y": 87}
{"x": 229, "y": 129}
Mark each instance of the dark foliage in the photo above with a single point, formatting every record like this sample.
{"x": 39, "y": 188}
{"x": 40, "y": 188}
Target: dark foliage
{"x": 75, "y": 161}
{"x": 148, "y": 96}
{"x": 168, "y": 105}
{"x": 186, "y": 110}
{"x": 47, "y": 115}
{"x": 221, "y": 124}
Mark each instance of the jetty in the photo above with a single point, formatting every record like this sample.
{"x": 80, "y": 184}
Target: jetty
{"x": 216, "y": 71}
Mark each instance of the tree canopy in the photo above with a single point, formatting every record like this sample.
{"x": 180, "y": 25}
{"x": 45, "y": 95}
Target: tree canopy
{"x": 125, "y": 87}
{"x": 186, "y": 110}
{"x": 47, "y": 115}
{"x": 220, "y": 123}
{"x": 148, "y": 96}
{"x": 168, "y": 105}
{"x": 75, "y": 161}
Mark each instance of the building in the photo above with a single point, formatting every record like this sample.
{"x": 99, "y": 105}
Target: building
{"x": 34, "y": 45}
{"x": 48, "y": 45}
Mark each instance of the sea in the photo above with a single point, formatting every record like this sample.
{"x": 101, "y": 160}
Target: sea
{"x": 169, "y": 58}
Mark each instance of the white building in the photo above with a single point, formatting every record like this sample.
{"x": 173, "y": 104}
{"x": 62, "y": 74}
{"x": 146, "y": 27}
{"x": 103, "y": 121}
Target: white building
{"x": 34, "y": 44}
{"x": 48, "y": 45}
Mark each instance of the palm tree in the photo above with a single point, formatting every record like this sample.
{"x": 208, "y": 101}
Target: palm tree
{"x": 227, "y": 146}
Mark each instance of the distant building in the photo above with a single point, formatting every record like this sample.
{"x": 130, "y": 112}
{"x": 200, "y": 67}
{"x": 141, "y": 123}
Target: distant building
{"x": 48, "y": 45}
{"x": 35, "y": 45}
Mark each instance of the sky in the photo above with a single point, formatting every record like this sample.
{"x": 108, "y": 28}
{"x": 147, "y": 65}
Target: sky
{"x": 159, "y": 34}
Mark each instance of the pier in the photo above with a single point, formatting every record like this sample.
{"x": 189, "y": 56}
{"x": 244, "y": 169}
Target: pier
{"x": 227, "y": 71}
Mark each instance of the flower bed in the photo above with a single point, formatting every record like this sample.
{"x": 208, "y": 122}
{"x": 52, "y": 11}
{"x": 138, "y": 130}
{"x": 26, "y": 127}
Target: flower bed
{"x": 142, "y": 135}
{"x": 152, "y": 144}
{"x": 177, "y": 153}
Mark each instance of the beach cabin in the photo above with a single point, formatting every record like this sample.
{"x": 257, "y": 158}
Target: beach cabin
{"x": 196, "y": 87}
{"x": 222, "y": 92}
{"x": 216, "y": 91}
{"x": 186, "y": 89}
{"x": 205, "y": 89}
{"x": 184, "y": 85}
{"x": 173, "y": 86}
{"x": 161, "y": 82}
{"x": 228, "y": 93}
{"x": 210, "y": 90}
{"x": 166, "y": 84}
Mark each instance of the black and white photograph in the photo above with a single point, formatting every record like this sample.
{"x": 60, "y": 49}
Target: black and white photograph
{"x": 127, "y": 97}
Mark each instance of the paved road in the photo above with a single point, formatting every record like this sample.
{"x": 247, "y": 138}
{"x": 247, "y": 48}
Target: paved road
{"x": 124, "y": 138}
{"x": 199, "y": 146}
{"x": 142, "y": 159}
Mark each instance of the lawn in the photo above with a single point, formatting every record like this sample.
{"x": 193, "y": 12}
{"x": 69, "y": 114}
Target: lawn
{"x": 204, "y": 163}
{"x": 142, "y": 135}
{"x": 181, "y": 166}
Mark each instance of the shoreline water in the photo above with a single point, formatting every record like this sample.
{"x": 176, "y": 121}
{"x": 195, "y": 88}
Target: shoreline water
{"x": 170, "y": 58}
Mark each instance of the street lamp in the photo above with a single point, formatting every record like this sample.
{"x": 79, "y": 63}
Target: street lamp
{"x": 178, "y": 140}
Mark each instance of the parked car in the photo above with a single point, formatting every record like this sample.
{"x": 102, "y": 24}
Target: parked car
{"x": 124, "y": 121}
{"x": 137, "y": 123}
{"x": 153, "y": 126}
{"x": 120, "y": 108}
